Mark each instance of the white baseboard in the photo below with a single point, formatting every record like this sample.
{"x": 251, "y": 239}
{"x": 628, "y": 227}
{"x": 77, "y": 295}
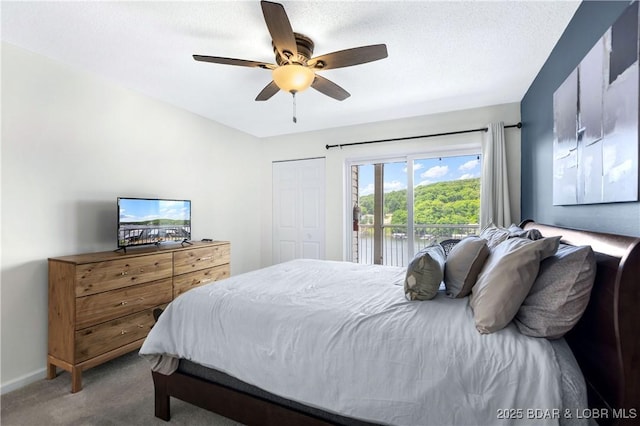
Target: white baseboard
{"x": 23, "y": 381}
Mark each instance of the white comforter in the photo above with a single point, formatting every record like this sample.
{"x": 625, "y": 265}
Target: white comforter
{"x": 342, "y": 337}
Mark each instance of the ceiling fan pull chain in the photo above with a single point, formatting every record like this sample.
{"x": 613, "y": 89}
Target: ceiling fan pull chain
{"x": 295, "y": 120}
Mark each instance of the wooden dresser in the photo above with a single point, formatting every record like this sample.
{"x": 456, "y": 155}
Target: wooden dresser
{"x": 101, "y": 304}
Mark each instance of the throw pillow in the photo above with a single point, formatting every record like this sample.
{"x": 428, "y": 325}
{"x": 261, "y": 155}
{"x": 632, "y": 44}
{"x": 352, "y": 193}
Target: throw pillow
{"x": 516, "y": 231}
{"x": 464, "y": 263}
{"x": 505, "y": 280}
{"x": 425, "y": 273}
{"x": 560, "y": 293}
{"x": 494, "y": 235}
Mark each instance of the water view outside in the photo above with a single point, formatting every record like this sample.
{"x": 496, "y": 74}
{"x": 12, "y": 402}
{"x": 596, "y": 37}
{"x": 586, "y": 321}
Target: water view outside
{"x": 446, "y": 204}
{"x": 395, "y": 246}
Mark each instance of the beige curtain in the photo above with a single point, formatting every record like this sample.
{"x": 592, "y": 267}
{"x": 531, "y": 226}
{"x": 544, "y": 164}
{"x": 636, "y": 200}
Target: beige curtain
{"x": 494, "y": 192}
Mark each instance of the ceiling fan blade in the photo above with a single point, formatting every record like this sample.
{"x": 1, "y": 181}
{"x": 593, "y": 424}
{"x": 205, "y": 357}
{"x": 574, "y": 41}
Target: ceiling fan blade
{"x": 269, "y": 90}
{"x": 349, "y": 57}
{"x": 279, "y": 28}
{"x": 233, "y": 61}
{"x": 329, "y": 88}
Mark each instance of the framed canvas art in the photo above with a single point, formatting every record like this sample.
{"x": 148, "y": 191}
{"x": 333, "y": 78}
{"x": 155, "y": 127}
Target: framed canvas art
{"x": 595, "y": 149}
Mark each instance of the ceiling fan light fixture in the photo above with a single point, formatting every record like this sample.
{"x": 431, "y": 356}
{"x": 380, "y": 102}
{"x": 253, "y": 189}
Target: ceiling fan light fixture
{"x": 294, "y": 68}
{"x": 293, "y": 77}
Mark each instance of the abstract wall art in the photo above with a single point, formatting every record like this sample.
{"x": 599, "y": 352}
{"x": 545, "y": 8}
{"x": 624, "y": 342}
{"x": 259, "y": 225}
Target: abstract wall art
{"x": 595, "y": 149}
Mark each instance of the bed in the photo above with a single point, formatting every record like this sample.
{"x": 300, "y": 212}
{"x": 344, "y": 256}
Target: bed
{"x": 238, "y": 371}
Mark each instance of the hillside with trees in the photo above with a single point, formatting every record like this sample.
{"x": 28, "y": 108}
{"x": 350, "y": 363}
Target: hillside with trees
{"x": 452, "y": 202}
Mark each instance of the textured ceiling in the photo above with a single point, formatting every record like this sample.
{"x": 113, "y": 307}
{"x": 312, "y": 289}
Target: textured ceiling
{"x": 443, "y": 56}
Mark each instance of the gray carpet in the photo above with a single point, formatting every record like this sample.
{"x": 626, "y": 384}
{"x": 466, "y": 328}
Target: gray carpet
{"x": 119, "y": 392}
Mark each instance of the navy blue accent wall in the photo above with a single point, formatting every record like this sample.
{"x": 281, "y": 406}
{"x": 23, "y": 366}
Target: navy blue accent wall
{"x": 589, "y": 23}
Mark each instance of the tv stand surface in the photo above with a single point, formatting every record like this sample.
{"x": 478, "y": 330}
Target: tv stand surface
{"x": 101, "y": 304}
{"x": 157, "y": 244}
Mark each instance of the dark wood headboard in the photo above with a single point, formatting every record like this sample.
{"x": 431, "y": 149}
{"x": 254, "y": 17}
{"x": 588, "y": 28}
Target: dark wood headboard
{"x": 606, "y": 340}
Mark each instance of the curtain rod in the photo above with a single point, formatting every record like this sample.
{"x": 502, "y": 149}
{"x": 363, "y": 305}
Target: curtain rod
{"x": 482, "y": 129}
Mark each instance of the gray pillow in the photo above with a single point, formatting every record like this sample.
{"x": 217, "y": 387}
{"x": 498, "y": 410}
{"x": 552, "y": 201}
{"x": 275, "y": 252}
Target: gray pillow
{"x": 494, "y": 235}
{"x": 516, "y": 231}
{"x": 425, "y": 273}
{"x": 464, "y": 262}
{"x": 560, "y": 294}
{"x": 505, "y": 280}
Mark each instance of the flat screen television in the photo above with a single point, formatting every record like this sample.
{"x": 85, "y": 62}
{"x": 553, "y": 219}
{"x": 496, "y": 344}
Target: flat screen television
{"x": 153, "y": 221}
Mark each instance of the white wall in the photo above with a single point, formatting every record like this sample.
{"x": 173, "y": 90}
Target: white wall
{"x": 312, "y": 144}
{"x": 72, "y": 143}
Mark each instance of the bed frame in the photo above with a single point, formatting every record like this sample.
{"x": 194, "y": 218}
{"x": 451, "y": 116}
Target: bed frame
{"x": 605, "y": 342}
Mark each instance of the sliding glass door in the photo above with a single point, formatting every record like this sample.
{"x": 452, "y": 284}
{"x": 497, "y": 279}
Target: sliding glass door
{"x": 381, "y": 232}
{"x": 446, "y": 198}
{"x": 402, "y": 205}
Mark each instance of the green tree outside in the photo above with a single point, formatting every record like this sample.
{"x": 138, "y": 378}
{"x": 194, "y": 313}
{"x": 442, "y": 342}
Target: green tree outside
{"x": 453, "y": 202}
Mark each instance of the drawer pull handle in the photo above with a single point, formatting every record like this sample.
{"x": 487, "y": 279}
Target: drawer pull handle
{"x": 141, "y": 270}
{"x": 123, "y": 332}
{"x": 206, "y": 280}
{"x": 124, "y": 273}
{"x": 124, "y": 302}
{"x": 206, "y": 258}
{"x": 140, "y": 326}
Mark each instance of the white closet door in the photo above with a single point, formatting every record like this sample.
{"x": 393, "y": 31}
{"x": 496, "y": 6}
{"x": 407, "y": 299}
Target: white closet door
{"x": 298, "y": 210}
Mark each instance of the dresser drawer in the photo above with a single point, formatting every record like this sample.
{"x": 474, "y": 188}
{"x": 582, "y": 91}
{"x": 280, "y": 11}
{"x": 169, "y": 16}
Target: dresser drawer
{"x": 101, "y": 304}
{"x": 101, "y": 307}
{"x": 200, "y": 258}
{"x": 96, "y": 340}
{"x": 97, "y": 277}
{"x": 195, "y": 279}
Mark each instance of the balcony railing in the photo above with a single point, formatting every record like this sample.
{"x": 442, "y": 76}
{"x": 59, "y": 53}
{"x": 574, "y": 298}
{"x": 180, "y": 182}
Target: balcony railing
{"x": 395, "y": 245}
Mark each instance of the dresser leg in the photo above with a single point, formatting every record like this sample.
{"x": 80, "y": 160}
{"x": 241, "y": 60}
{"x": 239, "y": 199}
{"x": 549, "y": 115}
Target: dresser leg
{"x": 51, "y": 371}
{"x": 76, "y": 379}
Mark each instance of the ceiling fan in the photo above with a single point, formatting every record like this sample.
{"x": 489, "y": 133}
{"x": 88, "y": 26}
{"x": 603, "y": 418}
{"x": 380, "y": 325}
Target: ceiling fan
{"x": 295, "y": 69}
